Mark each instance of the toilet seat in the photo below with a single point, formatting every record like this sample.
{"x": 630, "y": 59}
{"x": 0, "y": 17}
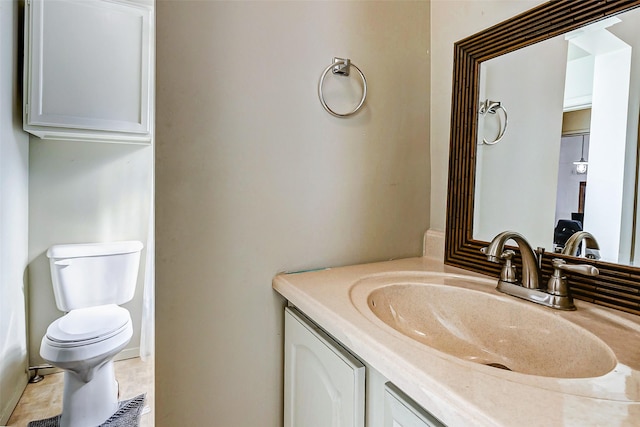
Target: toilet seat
{"x": 86, "y": 326}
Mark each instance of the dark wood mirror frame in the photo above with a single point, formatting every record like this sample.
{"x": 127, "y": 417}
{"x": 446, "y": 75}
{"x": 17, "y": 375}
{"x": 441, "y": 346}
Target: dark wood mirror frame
{"x": 617, "y": 286}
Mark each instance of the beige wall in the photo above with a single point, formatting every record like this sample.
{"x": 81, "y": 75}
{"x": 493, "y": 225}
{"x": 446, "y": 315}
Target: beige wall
{"x": 14, "y": 178}
{"x": 254, "y": 177}
{"x": 453, "y": 20}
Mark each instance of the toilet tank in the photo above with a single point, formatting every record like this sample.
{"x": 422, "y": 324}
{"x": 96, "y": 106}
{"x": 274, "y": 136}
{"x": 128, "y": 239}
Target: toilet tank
{"x": 90, "y": 274}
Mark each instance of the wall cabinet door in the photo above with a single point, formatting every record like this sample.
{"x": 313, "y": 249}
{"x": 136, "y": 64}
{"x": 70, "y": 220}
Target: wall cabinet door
{"x": 88, "y": 70}
{"x": 401, "y": 411}
{"x": 324, "y": 384}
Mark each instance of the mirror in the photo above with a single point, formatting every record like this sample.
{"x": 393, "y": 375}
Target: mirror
{"x": 574, "y": 91}
{"x": 480, "y": 201}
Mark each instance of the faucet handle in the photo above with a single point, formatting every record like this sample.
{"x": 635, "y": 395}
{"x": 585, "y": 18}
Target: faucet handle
{"x": 508, "y": 273}
{"x": 558, "y": 281}
{"x": 585, "y": 269}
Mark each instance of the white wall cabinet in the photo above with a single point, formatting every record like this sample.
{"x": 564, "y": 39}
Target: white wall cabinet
{"x": 324, "y": 384}
{"x": 88, "y": 73}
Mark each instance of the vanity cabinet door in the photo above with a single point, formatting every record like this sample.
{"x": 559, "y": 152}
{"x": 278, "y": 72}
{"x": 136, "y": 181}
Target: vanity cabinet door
{"x": 324, "y": 384}
{"x": 88, "y": 70}
{"x": 401, "y": 411}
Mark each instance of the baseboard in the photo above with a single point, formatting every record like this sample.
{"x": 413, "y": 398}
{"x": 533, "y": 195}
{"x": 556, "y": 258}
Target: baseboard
{"x": 127, "y": 353}
{"x": 10, "y": 404}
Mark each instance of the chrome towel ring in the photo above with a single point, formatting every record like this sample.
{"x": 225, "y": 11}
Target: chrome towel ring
{"x": 492, "y": 107}
{"x": 341, "y": 67}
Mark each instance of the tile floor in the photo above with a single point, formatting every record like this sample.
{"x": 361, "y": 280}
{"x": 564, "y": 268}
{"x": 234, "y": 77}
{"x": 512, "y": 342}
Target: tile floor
{"x": 44, "y": 399}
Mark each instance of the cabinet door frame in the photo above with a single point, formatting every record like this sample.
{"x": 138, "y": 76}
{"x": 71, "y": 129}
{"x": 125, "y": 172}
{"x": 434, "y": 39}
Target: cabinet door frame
{"x": 401, "y": 411}
{"x": 40, "y": 122}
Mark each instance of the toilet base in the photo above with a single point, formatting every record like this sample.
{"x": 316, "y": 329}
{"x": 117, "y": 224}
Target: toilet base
{"x": 89, "y": 403}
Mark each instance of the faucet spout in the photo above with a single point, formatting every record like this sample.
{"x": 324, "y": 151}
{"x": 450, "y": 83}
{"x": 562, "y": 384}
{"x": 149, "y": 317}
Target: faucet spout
{"x": 574, "y": 242}
{"x": 530, "y": 276}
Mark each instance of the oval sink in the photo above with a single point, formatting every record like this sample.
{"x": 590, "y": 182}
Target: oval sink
{"x": 491, "y": 330}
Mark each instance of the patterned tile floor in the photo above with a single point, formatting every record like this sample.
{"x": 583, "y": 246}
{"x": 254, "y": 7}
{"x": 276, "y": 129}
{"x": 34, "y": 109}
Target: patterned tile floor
{"x": 44, "y": 399}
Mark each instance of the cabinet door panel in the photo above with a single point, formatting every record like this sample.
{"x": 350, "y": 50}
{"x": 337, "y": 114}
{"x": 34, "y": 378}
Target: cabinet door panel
{"x": 89, "y": 65}
{"x": 324, "y": 384}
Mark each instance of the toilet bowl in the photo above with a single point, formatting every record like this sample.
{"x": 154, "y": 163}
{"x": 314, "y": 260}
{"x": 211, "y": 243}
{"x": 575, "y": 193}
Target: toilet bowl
{"x": 90, "y": 281}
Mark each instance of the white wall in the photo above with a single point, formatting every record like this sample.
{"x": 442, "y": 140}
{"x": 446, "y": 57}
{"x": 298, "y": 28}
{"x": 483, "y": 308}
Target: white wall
{"x": 83, "y": 192}
{"x": 607, "y": 149}
{"x": 53, "y": 192}
{"x": 517, "y": 173}
{"x": 451, "y": 21}
{"x": 254, "y": 177}
{"x": 629, "y": 31}
{"x": 14, "y": 170}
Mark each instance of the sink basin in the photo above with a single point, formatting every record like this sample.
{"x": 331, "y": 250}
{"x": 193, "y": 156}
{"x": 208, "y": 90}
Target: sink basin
{"x": 490, "y": 329}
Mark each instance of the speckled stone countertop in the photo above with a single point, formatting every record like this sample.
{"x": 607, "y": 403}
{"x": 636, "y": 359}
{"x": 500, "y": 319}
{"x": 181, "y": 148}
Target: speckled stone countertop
{"x": 460, "y": 392}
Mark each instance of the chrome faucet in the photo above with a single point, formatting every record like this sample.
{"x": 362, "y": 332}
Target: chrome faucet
{"x": 556, "y": 295}
{"x": 575, "y": 242}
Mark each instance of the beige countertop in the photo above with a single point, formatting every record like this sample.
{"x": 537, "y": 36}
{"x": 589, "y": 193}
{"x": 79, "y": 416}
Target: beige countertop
{"x": 460, "y": 392}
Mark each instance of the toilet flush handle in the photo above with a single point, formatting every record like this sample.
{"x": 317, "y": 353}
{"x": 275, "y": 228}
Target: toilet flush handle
{"x": 63, "y": 262}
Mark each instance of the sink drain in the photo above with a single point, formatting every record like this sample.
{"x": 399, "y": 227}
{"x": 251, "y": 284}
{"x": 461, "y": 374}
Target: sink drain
{"x": 498, "y": 365}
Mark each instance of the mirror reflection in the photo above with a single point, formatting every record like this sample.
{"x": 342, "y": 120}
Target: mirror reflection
{"x": 567, "y": 161}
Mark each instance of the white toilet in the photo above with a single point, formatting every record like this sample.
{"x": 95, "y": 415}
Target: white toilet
{"x": 90, "y": 281}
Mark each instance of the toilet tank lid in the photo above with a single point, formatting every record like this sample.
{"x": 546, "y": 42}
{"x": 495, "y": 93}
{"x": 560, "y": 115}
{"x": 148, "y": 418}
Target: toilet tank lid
{"x": 77, "y": 250}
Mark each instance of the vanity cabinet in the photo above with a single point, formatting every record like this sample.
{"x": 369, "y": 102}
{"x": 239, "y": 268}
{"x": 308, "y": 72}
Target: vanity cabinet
{"x": 87, "y": 70}
{"x": 325, "y": 385}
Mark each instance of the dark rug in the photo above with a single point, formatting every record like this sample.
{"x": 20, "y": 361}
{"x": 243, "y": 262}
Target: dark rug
{"x": 127, "y": 415}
